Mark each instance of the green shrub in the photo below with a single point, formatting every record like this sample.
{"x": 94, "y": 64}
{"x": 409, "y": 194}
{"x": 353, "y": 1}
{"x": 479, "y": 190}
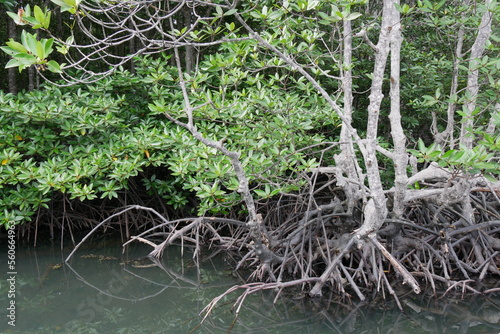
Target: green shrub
{"x": 89, "y": 141}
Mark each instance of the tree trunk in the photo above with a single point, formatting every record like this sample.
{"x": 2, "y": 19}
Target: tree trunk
{"x": 254, "y": 224}
{"x": 446, "y": 137}
{"x": 12, "y": 72}
{"x": 484, "y": 32}
{"x": 375, "y": 209}
{"x": 346, "y": 159}
{"x": 31, "y": 78}
{"x": 472, "y": 90}
{"x": 400, "y": 158}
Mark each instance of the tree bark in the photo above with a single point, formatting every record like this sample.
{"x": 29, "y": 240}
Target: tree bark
{"x": 375, "y": 209}
{"x": 484, "y": 32}
{"x": 441, "y": 138}
{"x": 346, "y": 159}
{"x": 398, "y": 136}
{"x": 12, "y": 72}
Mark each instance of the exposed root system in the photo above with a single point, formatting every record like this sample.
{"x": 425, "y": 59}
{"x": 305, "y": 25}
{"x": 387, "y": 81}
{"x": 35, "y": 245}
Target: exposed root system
{"x": 315, "y": 247}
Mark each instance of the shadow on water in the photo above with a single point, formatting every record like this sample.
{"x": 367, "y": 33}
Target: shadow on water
{"x": 105, "y": 291}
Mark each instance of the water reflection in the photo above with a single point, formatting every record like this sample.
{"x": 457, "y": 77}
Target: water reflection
{"x": 105, "y": 291}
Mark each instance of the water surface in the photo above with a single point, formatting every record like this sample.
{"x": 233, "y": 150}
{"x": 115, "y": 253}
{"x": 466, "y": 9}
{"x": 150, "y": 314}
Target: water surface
{"x": 103, "y": 290}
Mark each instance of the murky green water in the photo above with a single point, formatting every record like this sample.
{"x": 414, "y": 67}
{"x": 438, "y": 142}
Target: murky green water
{"x": 102, "y": 291}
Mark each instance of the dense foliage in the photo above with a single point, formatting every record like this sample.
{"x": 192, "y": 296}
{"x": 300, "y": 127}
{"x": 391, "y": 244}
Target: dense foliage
{"x": 87, "y": 141}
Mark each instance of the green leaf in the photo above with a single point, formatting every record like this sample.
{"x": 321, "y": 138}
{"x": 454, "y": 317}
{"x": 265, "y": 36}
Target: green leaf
{"x": 311, "y": 4}
{"x": 60, "y": 3}
{"x": 434, "y": 154}
{"x": 405, "y": 9}
{"x": 26, "y": 59}
{"x": 16, "y": 46}
{"x": 421, "y": 145}
{"x": 70, "y": 40}
{"x": 490, "y": 178}
{"x": 29, "y": 41}
{"x": 275, "y": 15}
{"x": 40, "y": 50}
{"x": 457, "y": 158}
{"x": 18, "y": 20}
{"x": 414, "y": 152}
{"x": 39, "y": 15}
{"x": 352, "y": 16}
{"x": 439, "y": 5}
{"x": 27, "y": 10}
{"x": 41, "y": 18}
{"x": 438, "y": 93}
{"x": 230, "y": 12}
{"x": 448, "y": 154}
{"x": 275, "y": 192}
{"x": 64, "y": 48}
{"x": 54, "y": 67}
{"x": 219, "y": 11}
{"x": 486, "y": 165}
{"x": 13, "y": 63}
{"x": 68, "y": 5}
{"x": 47, "y": 44}
{"x": 32, "y": 21}
{"x": 8, "y": 50}
{"x": 48, "y": 15}
{"x": 261, "y": 193}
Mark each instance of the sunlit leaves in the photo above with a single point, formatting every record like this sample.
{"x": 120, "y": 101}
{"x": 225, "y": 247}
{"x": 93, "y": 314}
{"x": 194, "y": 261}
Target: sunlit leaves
{"x": 63, "y": 48}
{"x": 31, "y": 51}
{"x": 477, "y": 160}
{"x": 209, "y": 191}
{"x": 34, "y": 50}
{"x": 53, "y": 66}
{"x": 8, "y": 155}
{"x": 68, "y": 5}
{"x": 19, "y": 17}
{"x": 40, "y": 18}
{"x": 430, "y": 6}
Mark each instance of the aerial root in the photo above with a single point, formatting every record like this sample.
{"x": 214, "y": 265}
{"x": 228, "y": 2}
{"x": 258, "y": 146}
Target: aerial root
{"x": 407, "y": 277}
{"x": 316, "y": 290}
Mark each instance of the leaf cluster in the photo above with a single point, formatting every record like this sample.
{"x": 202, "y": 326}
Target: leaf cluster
{"x": 480, "y": 160}
{"x": 33, "y": 50}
